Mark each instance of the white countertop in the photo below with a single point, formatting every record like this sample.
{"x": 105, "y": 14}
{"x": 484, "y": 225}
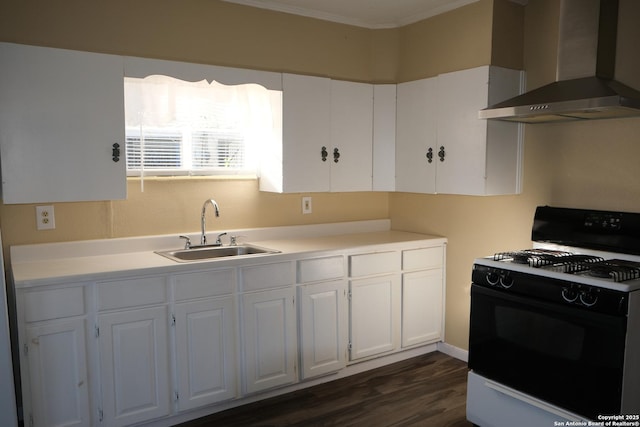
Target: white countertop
{"x": 57, "y": 263}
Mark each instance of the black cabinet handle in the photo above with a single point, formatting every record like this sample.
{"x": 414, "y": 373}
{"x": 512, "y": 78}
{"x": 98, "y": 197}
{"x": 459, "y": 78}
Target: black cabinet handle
{"x": 115, "y": 152}
{"x": 441, "y": 154}
{"x": 430, "y": 155}
{"x": 336, "y": 155}
{"x": 324, "y": 154}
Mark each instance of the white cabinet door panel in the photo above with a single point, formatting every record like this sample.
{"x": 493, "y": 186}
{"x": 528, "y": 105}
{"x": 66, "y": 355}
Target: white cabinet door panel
{"x": 205, "y": 346}
{"x": 352, "y": 136}
{"x": 270, "y": 345}
{"x": 422, "y": 301}
{"x": 463, "y": 135}
{"x": 135, "y": 365}
{"x": 323, "y": 327}
{"x": 58, "y": 374}
{"x": 60, "y": 113}
{"x": 375, "y": 316}
{"x": 306, "y": 110}
{"x": 384, "y": 137}
{"x": 415, "y": 135}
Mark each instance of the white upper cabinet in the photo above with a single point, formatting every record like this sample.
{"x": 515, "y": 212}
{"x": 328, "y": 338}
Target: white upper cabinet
{"x": 327, "y": 138}
{"x": 384, "y": 137}
{"x": 61, "y": 112}
{"x": 297, "y": 164}
{"x": 442, "y": 146}
{"x": 351, "y": 136}
{"x": 416, "y": 144}
{"x": 481, "y": 157}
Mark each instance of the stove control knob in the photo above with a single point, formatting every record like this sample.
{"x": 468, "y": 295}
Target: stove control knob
{"x": 493, "y": 278}
{"x": 570, "y": 293}
{"x": 588, "y": 297}
{"x": 506, "y": 281}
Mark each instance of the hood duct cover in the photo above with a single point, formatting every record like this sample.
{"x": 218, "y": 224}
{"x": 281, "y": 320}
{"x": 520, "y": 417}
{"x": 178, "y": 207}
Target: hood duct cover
{"x": 584, "y": 87}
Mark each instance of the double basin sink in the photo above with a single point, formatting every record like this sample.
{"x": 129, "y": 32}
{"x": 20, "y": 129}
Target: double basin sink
{"x": 201, "y": 253}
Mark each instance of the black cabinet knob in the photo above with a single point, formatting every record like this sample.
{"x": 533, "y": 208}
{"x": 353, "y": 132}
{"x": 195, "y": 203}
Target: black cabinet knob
{"x": 115, "y": 152}
{"x": 430, "y": 155}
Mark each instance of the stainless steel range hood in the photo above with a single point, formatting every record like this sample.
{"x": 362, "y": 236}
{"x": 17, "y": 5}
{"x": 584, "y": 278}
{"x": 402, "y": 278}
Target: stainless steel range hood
{"x": 584, "y": 86}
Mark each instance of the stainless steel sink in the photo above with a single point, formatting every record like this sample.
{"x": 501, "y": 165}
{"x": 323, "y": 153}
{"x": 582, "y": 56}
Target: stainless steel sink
{"x": 200, "y": 253}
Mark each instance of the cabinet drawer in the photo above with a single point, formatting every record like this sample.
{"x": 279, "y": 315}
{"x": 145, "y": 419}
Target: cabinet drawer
{"x": 423, "y": 258}
{"x": 374, "y": 263}
{"x": 54, "y": 303}
{"x": 266, "y": 276}
{"x": 314, "y": 270}
{"x": 131, "y": 293}
{"x": 204, "y": 284}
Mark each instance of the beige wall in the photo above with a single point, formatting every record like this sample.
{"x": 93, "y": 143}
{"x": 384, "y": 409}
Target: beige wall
{"x": 558, "y": 157}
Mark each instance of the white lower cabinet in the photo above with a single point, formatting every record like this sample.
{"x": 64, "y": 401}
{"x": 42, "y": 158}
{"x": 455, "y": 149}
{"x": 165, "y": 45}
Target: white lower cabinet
{"x": 269, "y": 339}
{"x": 52, "y": 328}
{"x": 57, "y": 361}
{"x": 133, "y": 335}
{"x": 322, "y": 315}
{"x": 323, "y": 327}
{"x": 374, "y": 303}
{"x": 422, "y": 295}
{"x": 421, "y": 307}
{"x": 134, "y": 363}
{"x": 375, "y": 316}
{"x": 205, "y": 337}
{"x": 205, "y": 352}
{"x": 136, "y": 350}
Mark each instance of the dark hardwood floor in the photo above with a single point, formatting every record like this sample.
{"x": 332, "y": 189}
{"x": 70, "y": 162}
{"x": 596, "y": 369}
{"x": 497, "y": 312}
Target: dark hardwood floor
{"x": 428, "y": 390}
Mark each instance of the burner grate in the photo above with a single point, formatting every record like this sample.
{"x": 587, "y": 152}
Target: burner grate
{"x": 616, "y": 270}
{"x": 534, "y": 257}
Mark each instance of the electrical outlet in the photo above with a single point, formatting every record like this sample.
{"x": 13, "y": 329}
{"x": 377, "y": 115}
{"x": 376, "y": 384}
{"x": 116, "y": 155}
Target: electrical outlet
{"x": 45, "y": 218}
{"x": 306, "y": 205}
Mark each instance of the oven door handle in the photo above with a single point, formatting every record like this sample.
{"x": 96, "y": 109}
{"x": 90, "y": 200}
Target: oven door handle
{"x": 531, "y": 401}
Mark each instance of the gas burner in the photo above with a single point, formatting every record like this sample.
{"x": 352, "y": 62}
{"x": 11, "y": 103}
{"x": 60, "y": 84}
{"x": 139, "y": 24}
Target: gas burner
{"x": 615, "y": 269}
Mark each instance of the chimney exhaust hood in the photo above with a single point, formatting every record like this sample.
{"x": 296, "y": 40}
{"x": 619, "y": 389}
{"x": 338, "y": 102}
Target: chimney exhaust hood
{"x": 584, "y": 86}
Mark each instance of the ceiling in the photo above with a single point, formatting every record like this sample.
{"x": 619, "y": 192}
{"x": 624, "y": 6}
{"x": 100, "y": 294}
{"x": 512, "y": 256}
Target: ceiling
{"x": 362, "y": 13}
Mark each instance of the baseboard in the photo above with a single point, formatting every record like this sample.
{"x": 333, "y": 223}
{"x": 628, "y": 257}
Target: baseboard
{"x": 453, "y": 351}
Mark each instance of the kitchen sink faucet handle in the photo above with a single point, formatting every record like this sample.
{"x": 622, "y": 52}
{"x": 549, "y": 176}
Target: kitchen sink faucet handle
{"x": 219, "y": 238}
{"x": 234, "y": 240}
{"x": 187, "y": 242}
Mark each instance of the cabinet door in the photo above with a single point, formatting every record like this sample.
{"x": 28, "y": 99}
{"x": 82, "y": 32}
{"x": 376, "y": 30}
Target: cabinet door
{"x": 60, "y": 113}
{"x": 323, "y": 327}
{"x": 205, "y": 348}
{"x": 415, "y": 136}
{"x": 134, "y": 365}
{"x": 57, "y": 360}
{"x": 422, "y": 304}
{"x": 384, "y": 137}
{"x": 461, "y": 94}
{"x": 269, "y": 337}
{"x": 375, "y": 316}
{"x": 306, "y": 128}
{"x": 351, "y": 136}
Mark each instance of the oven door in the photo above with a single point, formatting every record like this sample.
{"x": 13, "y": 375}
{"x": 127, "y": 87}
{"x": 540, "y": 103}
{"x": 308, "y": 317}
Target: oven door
{"x": 568, "y": 356}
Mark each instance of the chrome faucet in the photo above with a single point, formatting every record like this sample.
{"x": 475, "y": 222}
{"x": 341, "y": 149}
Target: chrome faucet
{"x": 203, "y": 237}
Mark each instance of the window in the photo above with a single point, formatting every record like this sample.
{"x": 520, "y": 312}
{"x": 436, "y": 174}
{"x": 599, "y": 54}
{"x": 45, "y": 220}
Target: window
{"x": 174, "y": 127}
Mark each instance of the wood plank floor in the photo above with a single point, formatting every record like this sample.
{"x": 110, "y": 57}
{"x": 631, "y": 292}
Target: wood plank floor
{"x": 428, "y": 390}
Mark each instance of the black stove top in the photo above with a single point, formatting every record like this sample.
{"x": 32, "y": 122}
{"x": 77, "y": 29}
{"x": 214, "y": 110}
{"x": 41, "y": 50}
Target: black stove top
{"x": 616, "y": 270}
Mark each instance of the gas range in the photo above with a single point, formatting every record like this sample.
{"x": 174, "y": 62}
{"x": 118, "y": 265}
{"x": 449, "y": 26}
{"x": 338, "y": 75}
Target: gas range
{"x": 555, "y": 328}
{"x": 605, "y": 270}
